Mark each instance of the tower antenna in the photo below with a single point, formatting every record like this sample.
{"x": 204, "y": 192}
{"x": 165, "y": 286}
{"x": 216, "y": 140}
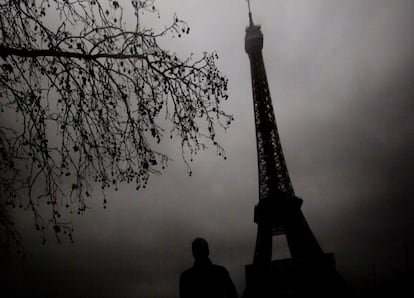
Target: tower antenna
{"x": 250, "y": 13}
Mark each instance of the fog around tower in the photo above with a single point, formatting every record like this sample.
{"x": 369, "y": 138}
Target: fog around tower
{"x": 341, "y": 79}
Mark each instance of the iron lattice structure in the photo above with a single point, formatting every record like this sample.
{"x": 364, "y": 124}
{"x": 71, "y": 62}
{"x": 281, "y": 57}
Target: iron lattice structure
{"x": 279, "y": 210}
{"x": 273, "y": 173}
{"x": 278, "y": 206}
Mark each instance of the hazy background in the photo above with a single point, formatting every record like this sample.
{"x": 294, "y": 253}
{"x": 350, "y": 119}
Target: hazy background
{"x": 341, "y": 75}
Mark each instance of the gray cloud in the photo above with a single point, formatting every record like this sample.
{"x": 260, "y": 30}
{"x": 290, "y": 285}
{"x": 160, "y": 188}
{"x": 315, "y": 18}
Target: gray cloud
{"x": 341, "y": 77}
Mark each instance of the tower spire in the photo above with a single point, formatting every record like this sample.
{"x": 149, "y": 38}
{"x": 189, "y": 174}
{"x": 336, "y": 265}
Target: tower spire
{"x": 250, "y": 14}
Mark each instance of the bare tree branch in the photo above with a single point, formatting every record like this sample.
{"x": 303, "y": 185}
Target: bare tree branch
{"x": 91, "y": 98}
{"x": 6, "y": 51}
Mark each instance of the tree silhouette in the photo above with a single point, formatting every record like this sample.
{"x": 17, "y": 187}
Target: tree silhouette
{"x": 84, "y": 98}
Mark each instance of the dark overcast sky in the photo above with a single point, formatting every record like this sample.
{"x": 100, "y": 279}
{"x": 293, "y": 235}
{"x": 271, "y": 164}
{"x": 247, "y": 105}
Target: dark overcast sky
{"x": 341, "y": 75}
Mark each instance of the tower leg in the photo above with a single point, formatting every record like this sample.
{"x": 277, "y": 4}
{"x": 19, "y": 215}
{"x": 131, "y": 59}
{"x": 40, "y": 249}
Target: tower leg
{"x": 263, "y": 250}
{"x": 301, "y": 241}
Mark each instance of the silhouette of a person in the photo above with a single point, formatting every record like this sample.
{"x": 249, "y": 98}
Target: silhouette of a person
{"x": 205, "y": 279}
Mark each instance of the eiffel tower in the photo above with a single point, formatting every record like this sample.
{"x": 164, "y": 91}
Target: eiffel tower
{"x": 309, "y": 271}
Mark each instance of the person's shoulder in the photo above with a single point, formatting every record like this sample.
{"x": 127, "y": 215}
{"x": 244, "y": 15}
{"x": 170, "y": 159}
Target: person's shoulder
{"x": 187, "y": 272}
{"x": 220, "y": 269}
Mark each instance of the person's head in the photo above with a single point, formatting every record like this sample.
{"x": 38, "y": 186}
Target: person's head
{"x": 200, "y": 248}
